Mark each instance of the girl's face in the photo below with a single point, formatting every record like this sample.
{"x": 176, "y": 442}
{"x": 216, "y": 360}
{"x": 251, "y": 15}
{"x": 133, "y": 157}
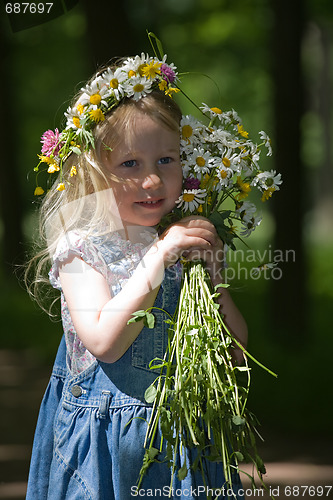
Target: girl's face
{"x": 149, "y": 171}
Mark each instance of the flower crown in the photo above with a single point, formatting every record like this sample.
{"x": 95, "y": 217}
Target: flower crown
{"x": 135, "y": 78}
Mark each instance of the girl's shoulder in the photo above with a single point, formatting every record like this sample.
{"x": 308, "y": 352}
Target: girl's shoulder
{"x": 104, "y": 252}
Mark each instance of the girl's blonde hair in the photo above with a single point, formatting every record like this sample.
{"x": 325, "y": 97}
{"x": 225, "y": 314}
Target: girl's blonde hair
{"x": 85, "y": 203}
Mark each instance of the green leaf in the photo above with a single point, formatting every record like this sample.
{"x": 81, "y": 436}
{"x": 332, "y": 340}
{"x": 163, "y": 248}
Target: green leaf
{"x": 147, "y": 317}
{"x": 150, "y": 394}
{"x": 77, "y": 151}
{"x": 182, "y": 472}
{"x": 106, "y": 147}
{"x": 151, "y": 36}
{"x": 237, "y": 423}
{"x": 221, "y": 285}
{"x": 152, "y": 453}
{"x": 137, "y": 316}
{"x": 149, "y": 320}
{"x": 160, "y": 365}
{"x": 260, "y": 464}
{"x": 239, "y": 455}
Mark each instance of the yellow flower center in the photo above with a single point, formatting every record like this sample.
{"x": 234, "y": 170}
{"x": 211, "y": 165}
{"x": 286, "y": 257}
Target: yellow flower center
{"x": 80, "y": 108}
{"x": 131, "y": 73}
{"x": 188, "y": 197}
{"x": 114, "y": 83}
{"x": 138, "y": 87}
{"x": 223, "y": 173}
{"x": 216, "y": 110}
{"x": 76, "y": 122}
{"x": 226, "y": 162}
{"x": 187, "y": 131}
{"x": 95, "y": 99}
{"x": 200, "y": 161}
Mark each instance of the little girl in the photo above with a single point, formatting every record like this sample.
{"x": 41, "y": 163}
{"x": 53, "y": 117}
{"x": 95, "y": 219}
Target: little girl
{"x": 120, "y": 173}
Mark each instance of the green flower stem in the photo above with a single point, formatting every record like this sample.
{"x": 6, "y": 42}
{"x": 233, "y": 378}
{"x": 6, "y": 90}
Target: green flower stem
{"x": 200, "y": 401}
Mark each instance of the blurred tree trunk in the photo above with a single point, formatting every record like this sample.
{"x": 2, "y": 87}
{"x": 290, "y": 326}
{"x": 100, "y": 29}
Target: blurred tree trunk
{"x": 325, "y": 110}
{"x": 117, "y": 30}
{"x": 10, "y": 193}
{"x": 288, "y": 293}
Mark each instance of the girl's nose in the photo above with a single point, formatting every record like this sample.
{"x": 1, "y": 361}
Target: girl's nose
{"x": 152, "y": 181}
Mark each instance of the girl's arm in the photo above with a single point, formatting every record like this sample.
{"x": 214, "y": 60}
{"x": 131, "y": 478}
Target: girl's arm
{"x": 101, "y": 320}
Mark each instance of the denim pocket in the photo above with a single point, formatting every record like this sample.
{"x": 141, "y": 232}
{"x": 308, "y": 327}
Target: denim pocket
{"x": 150, "y": 344}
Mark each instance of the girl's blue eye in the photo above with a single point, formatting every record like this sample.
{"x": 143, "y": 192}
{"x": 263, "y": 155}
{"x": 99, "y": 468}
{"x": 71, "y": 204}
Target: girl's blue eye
{"x": 129, "y": 163}
{"x": 165, "y": 160}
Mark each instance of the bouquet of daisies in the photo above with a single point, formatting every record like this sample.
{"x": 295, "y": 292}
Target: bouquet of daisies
{"x": 200, "y": 398}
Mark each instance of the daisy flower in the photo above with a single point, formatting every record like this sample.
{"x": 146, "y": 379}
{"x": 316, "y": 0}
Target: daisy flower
{"x": 73, "y": 117}
{"x": 190, "y": 129}
{"x": 229, "y": 160}
{"x": 138, "y": 87}
{"x": 114, "y": 81}
{"x": 201, "y": 161}
{"x": 134, "y": 66}
{"x": 213, "y": 112}
{"x": 267, "y": 142}
{"x": 93, "y": 94}
{"x": 246, "y": 211}
{"x": 224, "y": 176}
{"x": 231, "y": 117}
{"x": 266, "y": 180}
{"x": 223, "y": 139}
{"x": 249, "y": 227}
{"x": 190, "y": 199}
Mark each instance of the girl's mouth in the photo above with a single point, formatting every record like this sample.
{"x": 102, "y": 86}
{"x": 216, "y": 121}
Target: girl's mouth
{"x": 150, "y": 203}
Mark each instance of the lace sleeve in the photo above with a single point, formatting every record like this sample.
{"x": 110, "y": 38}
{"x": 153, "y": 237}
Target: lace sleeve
{"x": 75, "y": 244}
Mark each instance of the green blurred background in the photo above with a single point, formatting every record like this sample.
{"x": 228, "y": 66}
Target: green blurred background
{"x": 273, "y": 63}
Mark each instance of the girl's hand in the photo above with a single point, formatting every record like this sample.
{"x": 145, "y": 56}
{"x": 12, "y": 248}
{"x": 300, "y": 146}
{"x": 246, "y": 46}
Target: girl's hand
{"x": 194, "y": 238}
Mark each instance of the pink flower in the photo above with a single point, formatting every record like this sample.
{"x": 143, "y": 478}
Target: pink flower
{"x": 51, "y": 142}
{"x": 168, "y": 74}
{"x": 191, "y": 183}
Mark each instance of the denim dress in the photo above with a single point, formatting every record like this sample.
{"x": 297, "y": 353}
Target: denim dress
{"x": 89, "y": 439}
